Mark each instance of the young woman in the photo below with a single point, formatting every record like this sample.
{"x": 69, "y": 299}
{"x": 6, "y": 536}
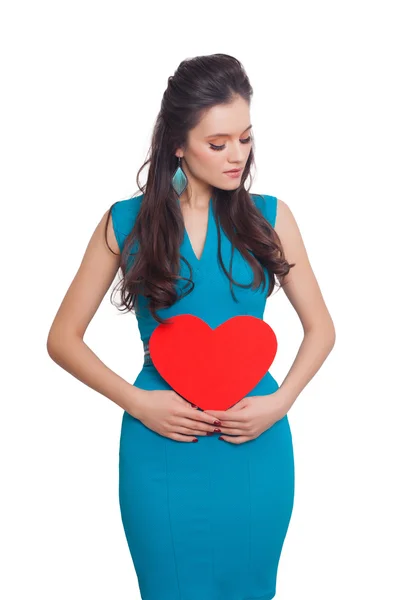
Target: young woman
{"x": 204, "y": 521}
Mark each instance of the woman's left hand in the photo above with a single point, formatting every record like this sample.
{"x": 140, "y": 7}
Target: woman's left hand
{"x": 249, "y": 417}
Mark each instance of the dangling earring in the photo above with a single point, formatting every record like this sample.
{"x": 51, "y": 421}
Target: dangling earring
{"x": 179, "y": 179}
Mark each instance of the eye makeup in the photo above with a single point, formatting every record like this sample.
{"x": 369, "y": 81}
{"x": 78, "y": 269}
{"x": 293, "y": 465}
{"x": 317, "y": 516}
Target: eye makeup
{"x": 217, "y": 148}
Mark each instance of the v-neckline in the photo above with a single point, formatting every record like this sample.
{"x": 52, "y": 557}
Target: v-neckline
{"x": 199, "y": 261}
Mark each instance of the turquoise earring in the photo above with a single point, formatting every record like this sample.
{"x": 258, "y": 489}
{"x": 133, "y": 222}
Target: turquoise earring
{"x": 179, "y": 179}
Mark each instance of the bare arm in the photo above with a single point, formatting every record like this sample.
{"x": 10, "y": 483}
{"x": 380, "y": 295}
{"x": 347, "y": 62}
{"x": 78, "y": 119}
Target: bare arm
{"x": 65, "y": 343}
{"x": 303, "y": 292}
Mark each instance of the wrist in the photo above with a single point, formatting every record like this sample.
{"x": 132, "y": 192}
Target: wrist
{"x": 136, "y": 402}
{"x": 285, "y": 401}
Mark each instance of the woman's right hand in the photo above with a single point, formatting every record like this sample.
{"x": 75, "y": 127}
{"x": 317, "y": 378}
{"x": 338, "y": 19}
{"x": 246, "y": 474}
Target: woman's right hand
{"x": 170, "y": 415}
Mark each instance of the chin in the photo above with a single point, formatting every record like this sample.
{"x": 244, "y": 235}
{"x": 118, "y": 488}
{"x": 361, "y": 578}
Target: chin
{"x": 229, "y": 184}
{"x": 233, "y": 186}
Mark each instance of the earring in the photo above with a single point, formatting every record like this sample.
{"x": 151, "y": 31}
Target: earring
{"x": 179, "y": 179}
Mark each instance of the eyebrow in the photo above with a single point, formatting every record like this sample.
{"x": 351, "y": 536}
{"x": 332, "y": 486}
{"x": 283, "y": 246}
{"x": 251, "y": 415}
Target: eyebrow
{"x": 225, "y": 134}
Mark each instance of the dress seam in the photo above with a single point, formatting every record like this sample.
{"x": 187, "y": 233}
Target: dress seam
{"x": 169, "y": 520}
{"x": 250, "y": 531}
{"x": 211, "y": 530}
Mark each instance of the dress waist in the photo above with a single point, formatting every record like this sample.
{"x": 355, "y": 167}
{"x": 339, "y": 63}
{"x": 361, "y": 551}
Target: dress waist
{"x": 147, "y": 358}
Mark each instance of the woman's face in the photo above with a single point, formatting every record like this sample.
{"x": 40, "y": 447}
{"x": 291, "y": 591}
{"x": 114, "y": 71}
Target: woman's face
{"x": 220, "y": 142}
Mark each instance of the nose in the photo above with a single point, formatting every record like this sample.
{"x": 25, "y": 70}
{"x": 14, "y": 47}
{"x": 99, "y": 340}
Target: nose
{"x": 237, "y": 154}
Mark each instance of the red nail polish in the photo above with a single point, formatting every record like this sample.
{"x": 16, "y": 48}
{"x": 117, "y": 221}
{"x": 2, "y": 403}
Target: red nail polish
{"x": 217, "y": 430}
{"x": 195, "y": 440}
{"x": 217, "y": 422}
{"x": 221, "y": 438}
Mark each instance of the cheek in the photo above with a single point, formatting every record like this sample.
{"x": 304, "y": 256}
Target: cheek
{"x": 209, "y": 159}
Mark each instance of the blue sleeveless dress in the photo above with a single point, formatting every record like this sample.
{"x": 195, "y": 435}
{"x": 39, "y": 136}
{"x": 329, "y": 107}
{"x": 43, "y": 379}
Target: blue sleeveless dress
{"x": 204, "y": 521}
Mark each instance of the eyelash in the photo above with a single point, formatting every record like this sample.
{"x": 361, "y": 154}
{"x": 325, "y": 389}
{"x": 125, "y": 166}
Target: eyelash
{"x": 217, "y": 148}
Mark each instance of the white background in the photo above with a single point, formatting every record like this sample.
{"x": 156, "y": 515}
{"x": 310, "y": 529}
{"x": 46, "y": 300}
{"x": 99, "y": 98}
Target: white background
{"x": 82, "y": 85}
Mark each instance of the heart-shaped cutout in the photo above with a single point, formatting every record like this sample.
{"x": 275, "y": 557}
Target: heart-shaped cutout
{"x": 213, "y": 368}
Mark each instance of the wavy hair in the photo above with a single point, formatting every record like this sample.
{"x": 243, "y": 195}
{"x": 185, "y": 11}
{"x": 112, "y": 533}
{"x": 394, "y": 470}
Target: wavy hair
{"x": 197, "y": 85}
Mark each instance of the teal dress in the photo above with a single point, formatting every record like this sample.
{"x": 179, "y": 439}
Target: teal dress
{"x": 204, "y": 521}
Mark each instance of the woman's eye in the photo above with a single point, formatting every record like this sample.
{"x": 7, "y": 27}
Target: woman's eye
{"x": 214, "y": 147}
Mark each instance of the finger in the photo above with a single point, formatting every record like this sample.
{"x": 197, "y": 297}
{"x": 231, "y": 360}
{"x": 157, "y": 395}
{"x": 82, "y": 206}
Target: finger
{"x": 183, "y": 401}
{"x": 195, "y": 424}
{"x": 198, "y": 416}
{"x": 238, "y": 416}
{"x": 238, "y": 406}
{"x": 181, "y": 438}
{"x": 190, "y": 431}
{"x": 219, "y": 414}
{"x": 233, "y": 431}
{"x": 236, "y": 440}
{"x": 229, "y": 425}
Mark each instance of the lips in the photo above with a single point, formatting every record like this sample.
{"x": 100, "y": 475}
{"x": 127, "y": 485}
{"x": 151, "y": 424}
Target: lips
{"x": 233, "y": 171}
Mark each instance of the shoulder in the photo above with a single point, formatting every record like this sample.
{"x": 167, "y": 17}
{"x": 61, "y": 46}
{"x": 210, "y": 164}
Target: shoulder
{"x": 123, "y": 215}
{"x": 268, "y": 206}
{"x": 286, "y": 224}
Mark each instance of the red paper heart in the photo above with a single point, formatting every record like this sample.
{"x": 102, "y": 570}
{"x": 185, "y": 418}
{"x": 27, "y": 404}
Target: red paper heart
{"x": 213, "y": 368}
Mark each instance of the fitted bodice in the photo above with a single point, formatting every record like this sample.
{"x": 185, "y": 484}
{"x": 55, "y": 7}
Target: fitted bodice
{"x": 211, "y": 298}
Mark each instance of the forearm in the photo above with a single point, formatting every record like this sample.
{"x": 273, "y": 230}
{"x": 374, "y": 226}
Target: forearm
{"x": 314, "y": 349}
{"x": 72, "y": 354}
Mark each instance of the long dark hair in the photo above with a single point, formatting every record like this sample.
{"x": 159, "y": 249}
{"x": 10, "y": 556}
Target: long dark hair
{"x": 198, "y": 84}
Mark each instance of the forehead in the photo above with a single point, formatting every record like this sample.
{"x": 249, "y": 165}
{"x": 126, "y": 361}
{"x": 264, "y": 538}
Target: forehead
{"x": 230, "y": 119}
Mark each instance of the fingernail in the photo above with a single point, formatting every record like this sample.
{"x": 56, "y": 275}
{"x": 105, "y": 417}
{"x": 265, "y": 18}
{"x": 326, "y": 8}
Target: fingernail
{"x": 221, "y": 438}
{"x": 217, "y": 422}
{"x": 210, "y": 432}
{"x": 195, "y": 440}
{"x": 217, "y": 430}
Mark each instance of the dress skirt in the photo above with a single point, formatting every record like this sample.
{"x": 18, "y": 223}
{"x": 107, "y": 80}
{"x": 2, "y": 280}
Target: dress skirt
{"x": 205, "y": 520}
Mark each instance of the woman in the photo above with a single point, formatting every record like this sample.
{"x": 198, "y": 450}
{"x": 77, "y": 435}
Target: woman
{"x": 206, "y": 520}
